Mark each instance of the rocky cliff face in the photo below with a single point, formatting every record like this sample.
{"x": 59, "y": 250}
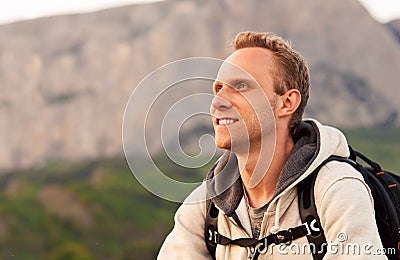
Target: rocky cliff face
{"x": 65, "y": 80}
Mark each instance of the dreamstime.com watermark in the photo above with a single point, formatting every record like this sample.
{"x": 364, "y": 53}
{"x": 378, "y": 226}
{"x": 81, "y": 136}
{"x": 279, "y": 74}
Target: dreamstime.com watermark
{"x": 338, "y": 247}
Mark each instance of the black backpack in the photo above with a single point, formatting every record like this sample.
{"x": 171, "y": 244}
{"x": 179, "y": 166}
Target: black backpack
{"x": 385, "y": 188}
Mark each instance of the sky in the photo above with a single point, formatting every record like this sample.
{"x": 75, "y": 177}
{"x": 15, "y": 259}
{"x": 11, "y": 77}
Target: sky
{"x": 16, "y": 10}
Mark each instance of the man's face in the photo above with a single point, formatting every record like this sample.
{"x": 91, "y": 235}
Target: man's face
{"x": 242, "y": 114}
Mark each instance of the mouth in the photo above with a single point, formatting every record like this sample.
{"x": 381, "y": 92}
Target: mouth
{"x": 225, "y": 121}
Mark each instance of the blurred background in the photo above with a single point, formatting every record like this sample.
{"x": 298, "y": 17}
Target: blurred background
{"x": 65, "y": 79}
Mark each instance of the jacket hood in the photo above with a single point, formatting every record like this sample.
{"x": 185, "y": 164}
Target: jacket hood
{"x": 313, "y": 144}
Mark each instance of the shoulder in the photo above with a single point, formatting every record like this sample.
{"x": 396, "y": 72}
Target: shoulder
{"x": 336, "y": 170}
{"x": 186, "y": 240}
{"x": 345, "y": 206}
{"x": 341, "y": 180}
{"x": 195, "y": 203}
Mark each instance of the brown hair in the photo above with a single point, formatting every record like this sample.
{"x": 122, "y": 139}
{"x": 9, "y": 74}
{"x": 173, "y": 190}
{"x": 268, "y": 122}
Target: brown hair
{"x": 289, "y": 70}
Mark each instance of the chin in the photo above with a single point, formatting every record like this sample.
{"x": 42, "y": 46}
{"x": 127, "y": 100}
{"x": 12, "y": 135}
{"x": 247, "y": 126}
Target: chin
{"x": 223, "y": 145}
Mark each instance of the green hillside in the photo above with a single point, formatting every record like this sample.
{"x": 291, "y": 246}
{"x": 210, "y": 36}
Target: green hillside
{"x": 380, "y": 145}
{"x": 93, "y": 210}
{"x": 97, "y": 210}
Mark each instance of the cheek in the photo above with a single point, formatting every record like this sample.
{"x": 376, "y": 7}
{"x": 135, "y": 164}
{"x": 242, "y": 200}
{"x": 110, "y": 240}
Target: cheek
{"x": 250, "y": 114}
{"x": 262, "y": 118}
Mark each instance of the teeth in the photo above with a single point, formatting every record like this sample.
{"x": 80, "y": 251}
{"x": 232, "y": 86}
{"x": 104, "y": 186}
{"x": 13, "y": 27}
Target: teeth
{"x": 226, "y": 121}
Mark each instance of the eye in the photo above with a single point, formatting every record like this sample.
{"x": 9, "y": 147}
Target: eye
{"x": 217, "y": 88}
{"x": 241, "y": 85}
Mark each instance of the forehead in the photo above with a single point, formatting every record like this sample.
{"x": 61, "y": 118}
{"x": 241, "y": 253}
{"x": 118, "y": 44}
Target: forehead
{"x": 250, "y": 63}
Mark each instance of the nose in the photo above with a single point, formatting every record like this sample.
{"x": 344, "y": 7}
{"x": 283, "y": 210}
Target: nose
{"x": 220, "y": 102}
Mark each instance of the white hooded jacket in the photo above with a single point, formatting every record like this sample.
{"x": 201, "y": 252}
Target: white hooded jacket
{"x": 343, "y": 200}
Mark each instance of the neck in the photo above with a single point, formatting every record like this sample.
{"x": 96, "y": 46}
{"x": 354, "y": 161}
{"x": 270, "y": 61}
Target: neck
{"x": 261, "y": 167}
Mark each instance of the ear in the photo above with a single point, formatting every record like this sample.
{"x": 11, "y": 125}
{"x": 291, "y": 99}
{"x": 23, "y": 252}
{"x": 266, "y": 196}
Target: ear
{"x": 290, "y": 101}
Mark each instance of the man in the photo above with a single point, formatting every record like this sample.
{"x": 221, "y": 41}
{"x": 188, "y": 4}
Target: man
{"x": 260, "y": 96}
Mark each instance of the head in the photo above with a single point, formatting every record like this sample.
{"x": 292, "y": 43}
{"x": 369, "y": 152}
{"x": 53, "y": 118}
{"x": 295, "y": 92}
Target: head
{"x": 288, "y": 68}
{"x": 263, "y": 68}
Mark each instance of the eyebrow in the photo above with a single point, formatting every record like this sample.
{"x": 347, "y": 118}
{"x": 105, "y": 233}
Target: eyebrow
{"x": 233, "y": 81}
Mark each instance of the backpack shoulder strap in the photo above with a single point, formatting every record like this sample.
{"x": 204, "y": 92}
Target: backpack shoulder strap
{"x": 211, "y": 227}
{"x": 309, "y": 215}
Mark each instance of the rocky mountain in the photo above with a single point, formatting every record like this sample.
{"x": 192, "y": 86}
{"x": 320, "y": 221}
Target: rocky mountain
{"x": 66, "y": 80}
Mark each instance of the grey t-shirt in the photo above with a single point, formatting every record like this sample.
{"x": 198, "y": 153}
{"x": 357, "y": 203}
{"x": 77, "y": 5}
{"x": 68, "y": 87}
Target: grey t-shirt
{"x": 256, "y": 216}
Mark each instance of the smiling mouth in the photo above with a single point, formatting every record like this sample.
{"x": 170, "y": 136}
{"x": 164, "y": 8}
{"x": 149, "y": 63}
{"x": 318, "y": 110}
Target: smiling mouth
{"x": 226, "y": 121}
